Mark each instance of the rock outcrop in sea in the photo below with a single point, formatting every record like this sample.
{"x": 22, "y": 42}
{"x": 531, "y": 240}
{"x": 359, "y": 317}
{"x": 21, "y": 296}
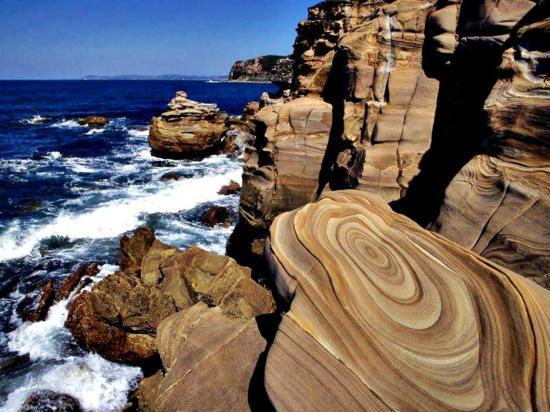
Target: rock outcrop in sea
{"x": 276, "y": 69}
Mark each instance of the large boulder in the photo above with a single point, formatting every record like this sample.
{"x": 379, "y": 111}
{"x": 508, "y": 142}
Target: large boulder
{"x": 385, "y": 315}
{"x": 208, "y": 361}
{"x": 189, "y": 129}
{"x": 133, "y": 249}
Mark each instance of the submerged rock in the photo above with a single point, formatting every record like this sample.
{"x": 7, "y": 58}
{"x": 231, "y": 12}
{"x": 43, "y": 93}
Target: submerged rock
{"x": 50, "y": 401}
{"x": 230, "y": 189}
{"x": 216, "y": 215}
{"x": 189, "y": 129}
{"x": 95, "y": 122}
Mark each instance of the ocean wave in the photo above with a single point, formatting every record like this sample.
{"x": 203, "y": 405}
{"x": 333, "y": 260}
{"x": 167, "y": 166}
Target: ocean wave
{"x": 67, "y": 124}
{"x": 138, "y": 132}
{"x": 36, "y": 119}
{"x": 98, "y": 384}
{"x": 94, "y": 131}
{"x": 117, "y": 216}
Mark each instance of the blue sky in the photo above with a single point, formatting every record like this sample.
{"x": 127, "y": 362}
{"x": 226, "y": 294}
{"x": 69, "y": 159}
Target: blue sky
{"x": 52, "y": 39}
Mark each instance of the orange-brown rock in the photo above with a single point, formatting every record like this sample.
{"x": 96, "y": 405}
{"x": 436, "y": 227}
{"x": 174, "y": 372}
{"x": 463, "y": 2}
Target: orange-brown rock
{"x": 189, "y": 129}
{"x": 216, "y": 215}
{"x": 230, "y": 189}
{"x": 74, "y": 279}
{"x": 133, "y": 249}
{"x": 95, "y": 122}
{"x": 47, "y": 299}
{"x": 385, "y": 315}
{"x": 208, "y": 359}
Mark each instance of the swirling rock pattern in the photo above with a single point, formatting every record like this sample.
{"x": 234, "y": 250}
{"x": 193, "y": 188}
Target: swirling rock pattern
{"x": 499, "y": 202}
{"x": 385, "y": 315}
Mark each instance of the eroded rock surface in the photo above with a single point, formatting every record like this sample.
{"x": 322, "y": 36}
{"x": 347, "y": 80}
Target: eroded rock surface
{"x": 385, "y": 315}
{"x": 189, "y": 129}
{"x": 208, "y": 361}
{"x": 276, "y": 69}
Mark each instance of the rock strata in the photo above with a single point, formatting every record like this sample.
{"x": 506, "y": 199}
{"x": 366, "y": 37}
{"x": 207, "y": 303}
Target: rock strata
{"x": 385, "y": 315}
{"x": 189, "y": 129}
{"x": 499, "y": 201}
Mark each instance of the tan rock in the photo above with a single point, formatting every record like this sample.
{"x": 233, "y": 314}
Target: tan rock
{"x": 385, "y": 315}
{"x": 150, "y": 266}
{"x": 209, "y": 360}
{"x": 95, "y": 122}
{"x": 134, "y": 248}
{"x": 189, "y": 129}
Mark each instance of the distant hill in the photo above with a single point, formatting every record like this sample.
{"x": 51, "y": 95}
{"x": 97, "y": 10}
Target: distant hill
{"x": 277, "y": 69}
{"x": 158, "y": 77}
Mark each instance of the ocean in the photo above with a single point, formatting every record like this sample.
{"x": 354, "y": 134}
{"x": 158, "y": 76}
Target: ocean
{"x": 67, "y": 195}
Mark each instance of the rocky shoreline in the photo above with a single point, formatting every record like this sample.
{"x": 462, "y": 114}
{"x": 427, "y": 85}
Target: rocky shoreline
{"x": 392, "y": 250}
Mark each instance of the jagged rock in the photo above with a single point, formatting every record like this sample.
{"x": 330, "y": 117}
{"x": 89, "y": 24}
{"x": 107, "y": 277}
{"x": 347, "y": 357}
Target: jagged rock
{"x": 122, "y": 300}
{"x": 47, "y": 299}
{"x": 264, "y": 68}
{"x": 230, "y": 189}
{"x": 74, "y": 280}
{"x": 208, "y": 359}
{"x": 49, "y": 401}
{"x": 133, "y": 249}
{"x": 498, "y": 203}
{"x": 150, "y": 265}
{"x": 216, "y": 215}
{"x": 95, "y": 122}
{"x": 220, "y": 281}
{"x": 385, "y": 315}
{"x": 111, "y": 342}
{"x": 189, "y": 129}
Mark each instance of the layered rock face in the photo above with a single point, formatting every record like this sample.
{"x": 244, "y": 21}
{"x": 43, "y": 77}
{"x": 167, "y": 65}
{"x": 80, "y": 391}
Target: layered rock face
{"x": 188, "y": 130}
{"x": 493, "y": 170}
{"x": 385, "y": 315}
{"x": 276, "y": 69}
{"x": 358, "y": 69}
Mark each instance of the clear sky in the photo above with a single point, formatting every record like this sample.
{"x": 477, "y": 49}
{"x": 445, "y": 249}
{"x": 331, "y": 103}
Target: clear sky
{"x": 52, "y": 39}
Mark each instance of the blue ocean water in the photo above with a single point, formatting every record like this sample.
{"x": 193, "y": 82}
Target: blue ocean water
{"x": 67, "y": 195}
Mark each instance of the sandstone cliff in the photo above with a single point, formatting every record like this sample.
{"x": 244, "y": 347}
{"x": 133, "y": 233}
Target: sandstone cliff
{"x": 425, "y": 101}
{"x": 277, "y": 69}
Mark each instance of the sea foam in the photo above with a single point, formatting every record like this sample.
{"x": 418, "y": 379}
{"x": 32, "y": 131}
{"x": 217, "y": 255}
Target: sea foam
{"x": 117, "y": 216}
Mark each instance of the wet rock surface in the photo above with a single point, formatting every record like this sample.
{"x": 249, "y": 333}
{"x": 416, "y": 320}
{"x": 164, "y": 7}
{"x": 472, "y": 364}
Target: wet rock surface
{"x": 49, "y": 401}
{"x": 95, "y": 122}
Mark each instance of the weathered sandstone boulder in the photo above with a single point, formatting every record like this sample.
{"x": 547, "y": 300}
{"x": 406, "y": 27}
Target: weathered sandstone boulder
{"x": 385, "y": 315}
{"x": 189, "y": 129}
{"x": 208, "y": 361}
{"x": 95, "y": 122}
{"x": 216, "y": 215}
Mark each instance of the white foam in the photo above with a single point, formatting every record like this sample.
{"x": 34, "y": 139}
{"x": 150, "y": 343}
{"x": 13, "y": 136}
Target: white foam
{"x": 117, "y": 216}
{"x": 94, "y": 131}
{"x": 67, "y": 124}
{"x": 36, "y": 119}
{"x": 138, "y": 133}
{"x": 98, "y": 384}
{"x": 54, "y": 155}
